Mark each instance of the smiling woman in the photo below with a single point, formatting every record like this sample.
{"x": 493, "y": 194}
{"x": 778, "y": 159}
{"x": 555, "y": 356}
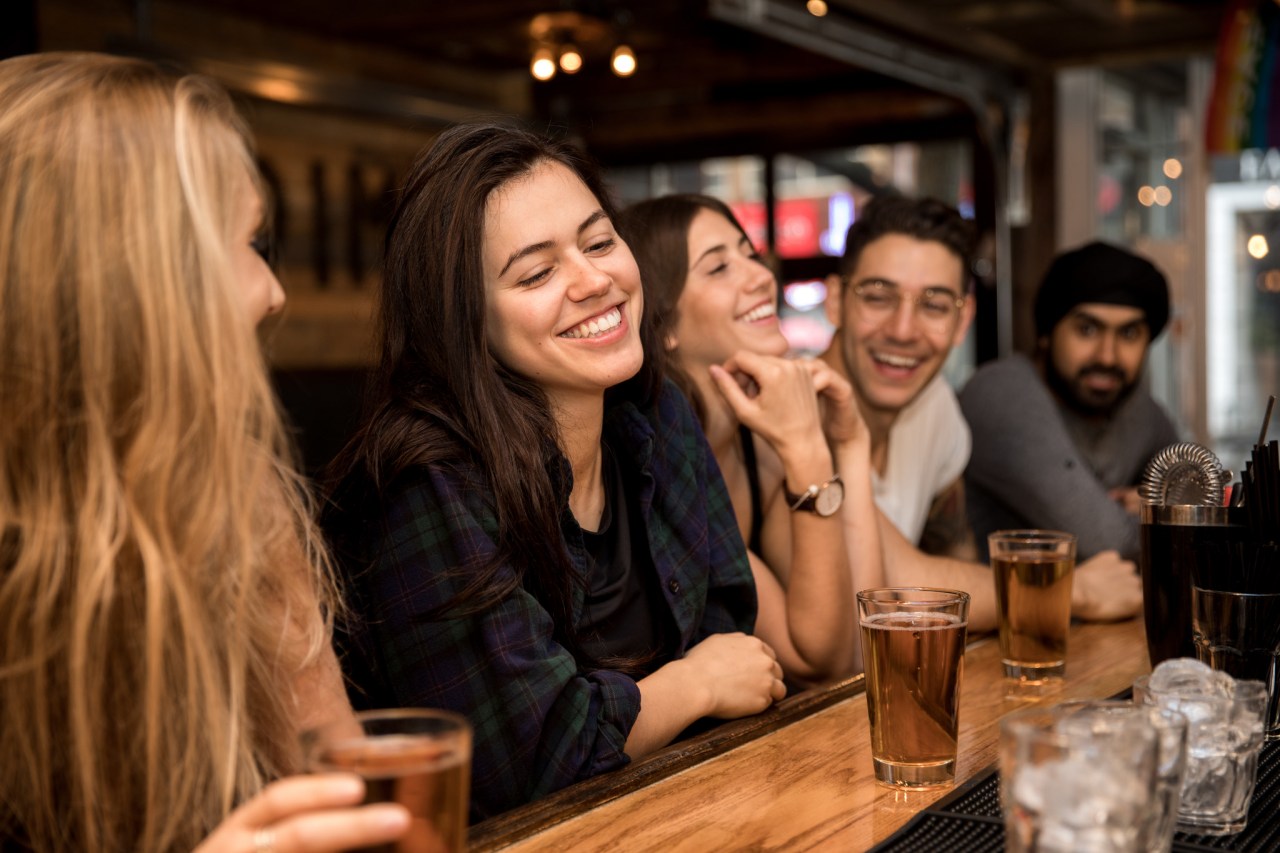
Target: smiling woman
{"x": 712, "y": 299}
{"x": 535, "y": 532}
{"x": 567, "y": 317}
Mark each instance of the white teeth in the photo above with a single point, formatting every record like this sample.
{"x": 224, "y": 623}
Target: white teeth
{"x": 896, "y": 360}
{"x": 598, "y": 326}
{"x": 758, "y": 313}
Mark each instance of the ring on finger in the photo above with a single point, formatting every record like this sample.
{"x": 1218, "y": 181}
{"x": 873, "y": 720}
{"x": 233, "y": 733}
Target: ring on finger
{"x": 264, "y": 840}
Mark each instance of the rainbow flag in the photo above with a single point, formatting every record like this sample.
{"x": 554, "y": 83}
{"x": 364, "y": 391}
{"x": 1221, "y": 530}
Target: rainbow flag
{"x": 1244, "y": 106}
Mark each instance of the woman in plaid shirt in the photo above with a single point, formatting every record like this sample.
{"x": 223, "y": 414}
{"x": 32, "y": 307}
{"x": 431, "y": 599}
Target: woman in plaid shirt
{"x": 533, "y": 529}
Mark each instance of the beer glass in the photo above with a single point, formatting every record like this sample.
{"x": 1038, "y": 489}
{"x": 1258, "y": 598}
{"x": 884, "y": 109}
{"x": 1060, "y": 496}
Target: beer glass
{"x": 1032, "y": 571}
{"x": 913, "y": 647}
{"x": 419, "y": 758}
{"x": 1239, "y": 633}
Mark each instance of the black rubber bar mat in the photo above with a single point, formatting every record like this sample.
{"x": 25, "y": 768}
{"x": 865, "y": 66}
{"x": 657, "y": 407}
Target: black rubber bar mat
{"x": 969, "y": 819}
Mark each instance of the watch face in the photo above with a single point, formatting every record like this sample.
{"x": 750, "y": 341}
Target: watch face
{"x": 829, "y": 499}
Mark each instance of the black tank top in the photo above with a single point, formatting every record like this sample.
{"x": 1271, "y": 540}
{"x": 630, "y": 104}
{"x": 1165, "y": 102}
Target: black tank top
{"x": 753, "y": 484}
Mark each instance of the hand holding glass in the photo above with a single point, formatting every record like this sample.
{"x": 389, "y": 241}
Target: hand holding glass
{"x": 419, "y": 758}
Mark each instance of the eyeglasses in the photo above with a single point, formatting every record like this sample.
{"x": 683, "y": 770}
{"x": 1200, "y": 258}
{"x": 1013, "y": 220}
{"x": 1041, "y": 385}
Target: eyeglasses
{"x": 935, "y": 308}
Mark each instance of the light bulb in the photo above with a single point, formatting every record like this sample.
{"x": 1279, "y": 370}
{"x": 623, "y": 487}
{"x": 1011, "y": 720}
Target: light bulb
{"x": 570, "y": 59}
{"x": 624, "y": 61}
{"x": 543, "y": 66}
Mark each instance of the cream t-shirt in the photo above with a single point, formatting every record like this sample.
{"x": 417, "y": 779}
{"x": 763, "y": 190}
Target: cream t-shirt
{"x": 929, "y": 448}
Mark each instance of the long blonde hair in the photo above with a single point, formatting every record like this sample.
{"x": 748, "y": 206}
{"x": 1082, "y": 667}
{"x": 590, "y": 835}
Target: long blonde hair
{"x": 160, "y": 578}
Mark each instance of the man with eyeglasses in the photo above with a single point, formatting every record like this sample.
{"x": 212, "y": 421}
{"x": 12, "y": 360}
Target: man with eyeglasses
{"x": 1061, "y": 441}
{"x": 901, "y": 305}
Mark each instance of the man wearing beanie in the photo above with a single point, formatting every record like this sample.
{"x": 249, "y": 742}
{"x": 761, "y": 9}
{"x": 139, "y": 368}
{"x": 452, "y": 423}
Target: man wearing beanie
{"x": 1060, "y": 442}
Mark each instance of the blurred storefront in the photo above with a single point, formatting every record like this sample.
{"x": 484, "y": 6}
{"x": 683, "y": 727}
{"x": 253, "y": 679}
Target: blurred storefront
{"x": 1242, "y": 231}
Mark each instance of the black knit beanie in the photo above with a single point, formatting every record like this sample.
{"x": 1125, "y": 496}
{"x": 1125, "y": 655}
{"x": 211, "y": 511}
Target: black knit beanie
{"x": 1100, "y": 272}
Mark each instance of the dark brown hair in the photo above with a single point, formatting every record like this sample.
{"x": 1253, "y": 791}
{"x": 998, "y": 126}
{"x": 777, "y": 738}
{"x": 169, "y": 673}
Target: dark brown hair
{"x": 924, "y": 219}
{"x": 440, "y": 396}
{"x": 657, "y": 231}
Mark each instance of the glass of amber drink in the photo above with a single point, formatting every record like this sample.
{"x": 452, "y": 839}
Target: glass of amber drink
{"x": 1032, "y": 570}
{"x": 417, "y": 757}
{"x": 913, "y": 645}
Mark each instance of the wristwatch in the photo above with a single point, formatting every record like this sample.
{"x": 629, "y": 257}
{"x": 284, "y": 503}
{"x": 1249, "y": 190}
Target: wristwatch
{"x": 823, "y": 500}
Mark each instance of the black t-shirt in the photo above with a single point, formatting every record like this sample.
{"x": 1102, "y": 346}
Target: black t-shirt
{"x": 623, "y": 617}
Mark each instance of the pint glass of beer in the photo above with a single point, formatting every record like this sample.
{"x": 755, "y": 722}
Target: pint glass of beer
{"x": 1032, "y": 570}
{"x": 417, "y": 757}
{"x": 913, "y": 646}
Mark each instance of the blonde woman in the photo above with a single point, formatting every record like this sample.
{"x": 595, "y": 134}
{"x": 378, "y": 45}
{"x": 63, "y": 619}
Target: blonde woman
{"x": 162, "y": 588}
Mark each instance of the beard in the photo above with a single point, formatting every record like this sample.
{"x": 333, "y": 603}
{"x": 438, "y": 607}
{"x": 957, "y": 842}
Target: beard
{"x": 1091, "y": 402}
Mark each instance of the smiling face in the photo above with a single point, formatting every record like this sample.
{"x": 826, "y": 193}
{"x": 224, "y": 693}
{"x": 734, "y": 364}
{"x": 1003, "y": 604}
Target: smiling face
{"x": 890, "y": 359}
{"x": 563, "y": 297}
{"x": 1096, "y": 354}
{"x": 260, "y": 290}
{"x": 729, "y": 301}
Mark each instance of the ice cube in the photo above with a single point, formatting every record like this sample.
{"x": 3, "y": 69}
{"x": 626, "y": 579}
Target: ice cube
{"x": 1201, "y": 711}
{"x": 1030, "y": 784}
{"x": 1189, "y": 677}
{"x": 1210, "y": 781}
{"x": 1094, "y": 805}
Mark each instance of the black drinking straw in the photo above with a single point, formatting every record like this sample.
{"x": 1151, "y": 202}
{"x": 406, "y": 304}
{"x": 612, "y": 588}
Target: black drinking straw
{"x": 1266, "y": 420}
{"x": 1272, "y": 479}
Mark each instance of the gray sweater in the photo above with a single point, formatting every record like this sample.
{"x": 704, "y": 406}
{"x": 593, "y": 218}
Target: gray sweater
{"x": 1037, "y": 463}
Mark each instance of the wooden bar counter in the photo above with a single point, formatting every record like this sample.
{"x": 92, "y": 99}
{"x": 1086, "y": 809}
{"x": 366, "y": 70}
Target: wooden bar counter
{"x": 799, "y": 776}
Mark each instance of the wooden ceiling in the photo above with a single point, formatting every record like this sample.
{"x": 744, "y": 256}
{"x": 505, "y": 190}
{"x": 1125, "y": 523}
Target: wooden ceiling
{"x": 726, "y": 75}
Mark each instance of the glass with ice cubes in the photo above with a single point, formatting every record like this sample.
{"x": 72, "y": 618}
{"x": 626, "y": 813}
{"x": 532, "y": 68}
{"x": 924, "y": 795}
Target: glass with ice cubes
{"x": 1076, "y": 780}
{"x": 1171, "y": 757}
{"x": 1224, "y": 740}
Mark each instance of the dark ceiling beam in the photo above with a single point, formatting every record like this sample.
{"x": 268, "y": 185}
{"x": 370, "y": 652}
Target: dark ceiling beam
{"x": 706, "y": 70}
{"x": 1001, "y": 11}
{"x": 1137, "y": 55}
{"x": 300, "y": 86}
{"x": 864, "y": 47}
{"x": 1158, "y": 15}
{"x": 297, "y": 86}
{"x": 1102, "y": 10}
{"x": 941, "y": 29}
{"x": 771, "y": 126}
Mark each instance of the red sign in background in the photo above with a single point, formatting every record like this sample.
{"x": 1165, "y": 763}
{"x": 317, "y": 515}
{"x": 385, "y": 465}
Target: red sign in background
{"x": 798, "y": 225}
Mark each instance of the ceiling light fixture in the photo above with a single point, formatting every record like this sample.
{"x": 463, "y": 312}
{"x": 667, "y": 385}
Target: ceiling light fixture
{"x": 624, "y": 61}
{"x": 569, "y": 40}
{"x": 543, "y": 66}
{"x": 570, "y": 59}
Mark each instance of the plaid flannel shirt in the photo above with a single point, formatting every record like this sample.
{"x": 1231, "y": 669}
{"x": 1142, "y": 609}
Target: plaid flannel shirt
{"x": 542, "y": 721}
